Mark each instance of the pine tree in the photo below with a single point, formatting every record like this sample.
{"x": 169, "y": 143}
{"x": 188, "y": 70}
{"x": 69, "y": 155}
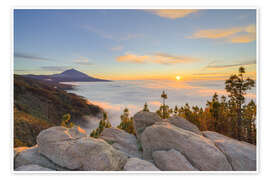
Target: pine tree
{"x": 145, "y": 107}
{"x": 237, "y": 87}
{"x": 126, "y": 122}
{"x": 164, "y": 108}
{"x": 66, "y": 121}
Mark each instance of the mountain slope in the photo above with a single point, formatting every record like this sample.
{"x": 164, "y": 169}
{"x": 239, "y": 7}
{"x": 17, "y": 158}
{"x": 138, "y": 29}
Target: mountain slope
{"x": 39, "y": 105}
{"x": 70, "y": 75}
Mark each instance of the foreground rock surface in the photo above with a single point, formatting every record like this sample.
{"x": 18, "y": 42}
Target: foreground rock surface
{"x": 200, "y": 151}
{"x": 73, "y": 150}
{"x": 135, "y": 164}
{"x": 143, "y": 119}
{"x": 121, "y": 141}
{"x": 172, "y": 160}
{"x": 184, "y": 124}
{"x": 32, "y": 156}
{"x": 241, "y": 155}
{"x": 32, "y": 167}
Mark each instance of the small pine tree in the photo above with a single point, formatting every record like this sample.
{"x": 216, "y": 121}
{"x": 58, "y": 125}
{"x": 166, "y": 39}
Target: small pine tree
{"x": 66, "y": 121}
{"x": 164, "y": 109}
{"x": 104, "y": 123}
{"x": 145, "y": 108}
{"x": 127, "y": 122}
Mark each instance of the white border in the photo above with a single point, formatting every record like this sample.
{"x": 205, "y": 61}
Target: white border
{"x": 139, "y": 172}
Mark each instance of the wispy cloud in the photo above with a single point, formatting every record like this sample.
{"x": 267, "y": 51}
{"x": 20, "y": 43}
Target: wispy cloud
{"x": 82, "y": 61}
{"x": 54, "y": 68}
{"x": 107, "y": 35}
{"x": 31, "y": 57}
{"x": 172, "y": 13}
{"x": 214, "y": 66}
{"x": 117, "y": 48}
{"x": 158, "y": 58}
{"x": 244, "y": 34}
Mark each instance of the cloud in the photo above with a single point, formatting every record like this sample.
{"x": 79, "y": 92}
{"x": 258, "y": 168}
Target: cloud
{"x": 31, "y": 57}
{"x": 172, "y": 13}
{"x": 82, "y": 61}
{"x": 117, "y": 48}
{"x": 214, "y": 66}
{"x": 158, "y": 58}
{"x": 244, "y": 34}
{"x": 54, "y": 68}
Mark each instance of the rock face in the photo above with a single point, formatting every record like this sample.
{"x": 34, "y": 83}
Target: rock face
{"x": 201, "y": 152}
{"x": 143, "y": 119}
{"x": 73, "y": 150}
{"x": 184, "y": 124}
{"x": 32, "y": 167}
{"x": 172, "y": 160}
{"x": 18, "y": 150}
{"x": 135, "y": 164}
{"x": 31, "y": 156}
{"x": 241, "y": 155}
{"x": 121, "y": 141}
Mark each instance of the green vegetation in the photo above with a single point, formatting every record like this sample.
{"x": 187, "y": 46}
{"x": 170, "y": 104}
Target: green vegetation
{"x": 104, "y": 123}
{"x": 230, "y": 117}
{"x": 39, "y": 105}
{"x": 145, "y": 107}
{"x": 66, "y": 121}
{"x": 127, "y": 122}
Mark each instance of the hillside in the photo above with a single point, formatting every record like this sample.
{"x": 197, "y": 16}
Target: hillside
{"x": 39, "y": 105}
{"x": 70, "y": 75}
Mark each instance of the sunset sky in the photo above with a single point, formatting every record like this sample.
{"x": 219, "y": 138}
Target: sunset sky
{"x": 136, "y": 44}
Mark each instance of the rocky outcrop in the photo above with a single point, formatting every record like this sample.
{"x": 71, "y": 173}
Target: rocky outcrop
{"x": 18, "y": 150}
{"x": 143, "y": 119}
{"x": 32, "y": 167}
{"x": 135, "y": 164}
{"x": 70, "y": 148}
{"x": 172, "y": 160}
{"x": 168, "y": 145}
{"x": 121, "y": 141}
{"x": 32, "y": 156}
{"x": 241, "y": 155}
{"x": 184, "y": 124}
{"x": 200, "y": 151}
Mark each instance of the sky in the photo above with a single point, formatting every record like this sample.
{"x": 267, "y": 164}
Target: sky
{"x": 136, "y": 44}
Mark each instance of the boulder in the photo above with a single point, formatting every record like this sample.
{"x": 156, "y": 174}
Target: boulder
{"x": 121, "y": 141}
{"x": 241, "y": 155}
{"x": 200, "y": 151}
{"x": 172, "y": 160}
{"x": 32, "y": 167}
{"x": 135, "y": 164}
{"x": 78, "y": 152}
{"x": 17, "y": 150}
{"x": 143, "y": 119}
{"x": 184, "y": 124}
{"x": 32, "y": 156}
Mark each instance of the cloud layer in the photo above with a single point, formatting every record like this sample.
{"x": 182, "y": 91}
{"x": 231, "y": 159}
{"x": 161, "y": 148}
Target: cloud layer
{"x": 158, "y": 58}
{"x": 222, "y": 66}
{"x": 244, "y": 34}
{"x": 172, "y": 13}
{"x": 31, "y": 57}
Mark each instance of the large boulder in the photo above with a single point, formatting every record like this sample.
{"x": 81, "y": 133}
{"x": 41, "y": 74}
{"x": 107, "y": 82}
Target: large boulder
{"x": 184, "y": 124}
{"x": 72, "y": 150}
{"x": 200, "y": 151}
{"x": 172, "y": 160}
{"x": 144, "y": 119}
{"x": 241, "y": 155}
{"x": 121, "y": 141}
{"x": 32, "y": 156}
{"x": 135, "y": 164}
{"x": 17, "y": 150}
{"x": 32, "y": 167}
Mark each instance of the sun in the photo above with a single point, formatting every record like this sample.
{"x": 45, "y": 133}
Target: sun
{"x": 178, "y": 78}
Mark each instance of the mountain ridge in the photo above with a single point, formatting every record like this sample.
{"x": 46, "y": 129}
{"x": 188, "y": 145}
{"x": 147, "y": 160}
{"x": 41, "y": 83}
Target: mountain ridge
{"x": 69, "y": 75}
